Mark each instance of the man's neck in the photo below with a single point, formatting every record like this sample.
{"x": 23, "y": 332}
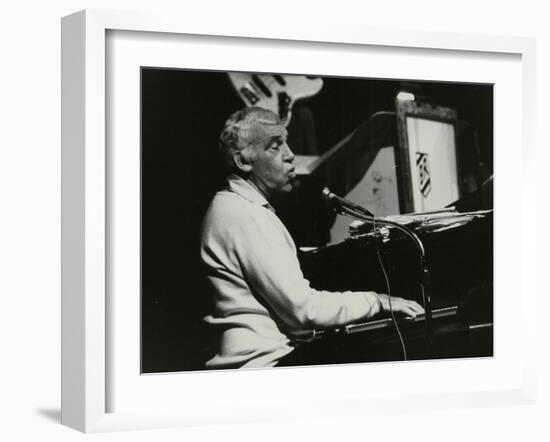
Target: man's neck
{"x": 259, "y": 189}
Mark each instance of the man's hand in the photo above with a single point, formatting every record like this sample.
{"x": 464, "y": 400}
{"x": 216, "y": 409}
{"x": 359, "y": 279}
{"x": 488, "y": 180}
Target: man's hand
{"x": 400, "y": 305}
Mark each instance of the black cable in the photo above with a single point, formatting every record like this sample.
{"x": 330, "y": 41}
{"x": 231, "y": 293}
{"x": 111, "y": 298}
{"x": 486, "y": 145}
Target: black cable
{"x": 361, "y": 216}
{"x": 380, "y": 260}
{"x": 379, "y": 254}
{"x": 425, "y": 275}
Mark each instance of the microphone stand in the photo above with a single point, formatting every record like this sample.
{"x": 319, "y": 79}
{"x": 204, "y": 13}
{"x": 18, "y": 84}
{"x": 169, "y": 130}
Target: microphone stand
{"x": 363, "y": 214}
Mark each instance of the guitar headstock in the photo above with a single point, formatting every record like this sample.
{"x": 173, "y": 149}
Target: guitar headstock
{"x": 275, "y": 92}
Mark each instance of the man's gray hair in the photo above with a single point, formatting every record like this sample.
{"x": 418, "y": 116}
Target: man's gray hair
{"x": 239, "y": 133}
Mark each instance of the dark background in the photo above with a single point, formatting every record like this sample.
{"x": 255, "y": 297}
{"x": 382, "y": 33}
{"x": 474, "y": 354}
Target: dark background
{"x": 183, "y": 113}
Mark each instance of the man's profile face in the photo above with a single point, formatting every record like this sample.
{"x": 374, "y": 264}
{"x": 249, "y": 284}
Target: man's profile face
{"x": 272, "y": 161}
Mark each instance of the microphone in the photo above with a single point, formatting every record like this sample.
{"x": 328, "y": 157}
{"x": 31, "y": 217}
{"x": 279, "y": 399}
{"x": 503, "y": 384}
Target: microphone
{"x": 340, "y": 204}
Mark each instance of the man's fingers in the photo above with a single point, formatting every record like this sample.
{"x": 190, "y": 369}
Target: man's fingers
{"x": 410, "y": 308}
{"x": 416, "y": 307}
{"x": 405, "y": 306}
{"x": 409, "y": 311}
{"x": 402, "y": 307}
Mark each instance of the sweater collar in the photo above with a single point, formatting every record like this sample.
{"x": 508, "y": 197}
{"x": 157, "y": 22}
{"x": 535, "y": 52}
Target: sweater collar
{"x": 243, "y": 188}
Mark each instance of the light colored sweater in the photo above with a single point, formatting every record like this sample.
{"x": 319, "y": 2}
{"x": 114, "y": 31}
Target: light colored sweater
{"x": 262, "y": 300}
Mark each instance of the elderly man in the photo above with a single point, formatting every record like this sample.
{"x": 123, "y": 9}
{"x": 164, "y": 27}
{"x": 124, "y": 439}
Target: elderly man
{"x": 262, "y": 303}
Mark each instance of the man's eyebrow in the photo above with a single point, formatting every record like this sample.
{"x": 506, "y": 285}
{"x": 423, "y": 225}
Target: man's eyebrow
{"x": 277, "y": 138}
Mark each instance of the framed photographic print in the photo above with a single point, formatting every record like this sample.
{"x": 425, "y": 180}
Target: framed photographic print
{"x": 145, "y": 99}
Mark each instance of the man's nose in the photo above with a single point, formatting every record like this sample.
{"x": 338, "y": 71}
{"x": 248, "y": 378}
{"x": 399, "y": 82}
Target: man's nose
{"x": 289, "y": 155}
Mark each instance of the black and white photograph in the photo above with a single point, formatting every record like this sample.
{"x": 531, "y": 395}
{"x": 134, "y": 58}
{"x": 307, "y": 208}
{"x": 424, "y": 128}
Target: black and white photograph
{"x": 301, "y": 220}
{"x": 230, "y": 221}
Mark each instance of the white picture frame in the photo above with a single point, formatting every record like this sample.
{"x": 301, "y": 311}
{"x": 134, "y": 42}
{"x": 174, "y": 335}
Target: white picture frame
{"x": 86, "y": 311}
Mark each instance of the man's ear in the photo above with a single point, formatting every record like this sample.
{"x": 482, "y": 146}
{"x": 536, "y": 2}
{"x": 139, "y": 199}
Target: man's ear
{"x": 242, "y": 161}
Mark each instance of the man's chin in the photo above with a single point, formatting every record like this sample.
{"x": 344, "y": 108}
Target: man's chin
{"x": 285, "y": 190}
{"x": 291, "y": 185}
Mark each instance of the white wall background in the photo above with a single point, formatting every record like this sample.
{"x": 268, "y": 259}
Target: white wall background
{"x": 30, "y": 217}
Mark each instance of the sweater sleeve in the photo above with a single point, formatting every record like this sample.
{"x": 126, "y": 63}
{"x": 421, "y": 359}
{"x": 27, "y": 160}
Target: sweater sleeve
{"x": 269, "y": 263}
